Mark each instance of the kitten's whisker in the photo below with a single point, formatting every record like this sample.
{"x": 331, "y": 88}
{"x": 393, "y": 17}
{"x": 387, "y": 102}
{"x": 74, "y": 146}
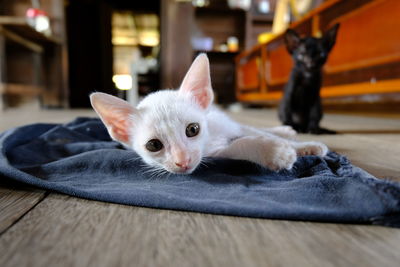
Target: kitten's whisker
{"x": 154, "y": 172}
{"x": 205, "y": 162}
{"x": 132, "y": 160}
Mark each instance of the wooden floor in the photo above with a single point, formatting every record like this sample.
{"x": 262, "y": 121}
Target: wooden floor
{"x": 39, "y": 228}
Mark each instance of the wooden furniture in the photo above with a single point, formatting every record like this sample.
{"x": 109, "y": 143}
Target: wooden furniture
{"x": 219, "y": 22}
{"x": 176, "y": 52}
{"x": 31, "y": 63}
{"x": 365, "y": 59}
{"x": 180, "y": 22}
{"x": 17, "y": 31}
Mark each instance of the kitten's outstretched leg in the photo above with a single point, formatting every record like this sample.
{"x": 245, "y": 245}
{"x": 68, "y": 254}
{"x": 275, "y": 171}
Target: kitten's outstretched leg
{"x": 272, "y": 152}
{"x": 302, "y": 148}
{"x": 310, "y": 148}
{"x": 285, "y": 131}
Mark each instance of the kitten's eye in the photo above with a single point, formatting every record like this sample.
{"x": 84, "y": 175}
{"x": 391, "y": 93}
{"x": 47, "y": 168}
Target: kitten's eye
{"x": 154, "y": 145}
{"x": 192, "y": 129}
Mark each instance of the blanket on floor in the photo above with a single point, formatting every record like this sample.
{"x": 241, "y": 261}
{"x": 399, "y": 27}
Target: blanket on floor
{"x": 79, "y": 159}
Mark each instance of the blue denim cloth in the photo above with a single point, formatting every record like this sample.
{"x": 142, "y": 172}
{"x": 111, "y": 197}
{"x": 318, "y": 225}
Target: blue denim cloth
{"x": 79, "y": 159}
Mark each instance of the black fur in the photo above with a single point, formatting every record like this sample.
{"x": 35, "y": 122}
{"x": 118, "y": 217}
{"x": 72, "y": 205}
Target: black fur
{"x": 301, "y": 104}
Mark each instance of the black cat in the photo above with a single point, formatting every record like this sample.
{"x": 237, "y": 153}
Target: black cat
{"x": 301, "y": 104}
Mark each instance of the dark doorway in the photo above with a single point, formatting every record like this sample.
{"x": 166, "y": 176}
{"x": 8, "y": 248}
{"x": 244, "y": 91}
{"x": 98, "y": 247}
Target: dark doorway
{"x": 90, "y": 46}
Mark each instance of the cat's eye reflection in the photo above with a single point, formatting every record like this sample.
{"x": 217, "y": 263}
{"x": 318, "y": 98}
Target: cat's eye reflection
{"x": 192, "y": 129}
{"x": 154, "y": 145}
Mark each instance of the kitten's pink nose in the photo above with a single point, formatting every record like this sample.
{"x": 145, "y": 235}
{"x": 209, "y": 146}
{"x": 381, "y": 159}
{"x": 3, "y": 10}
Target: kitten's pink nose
{"x": 181, "y": 159}
{"x": 183, "y": 164}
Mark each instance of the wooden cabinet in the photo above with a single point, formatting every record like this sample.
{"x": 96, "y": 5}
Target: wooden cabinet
{"x": 218, "y": 22}
{"x": 31, "y": 63}
{"x": 365, "y": 59}
{"x": 258, "y": 22}
{"x": 182, "y": 23}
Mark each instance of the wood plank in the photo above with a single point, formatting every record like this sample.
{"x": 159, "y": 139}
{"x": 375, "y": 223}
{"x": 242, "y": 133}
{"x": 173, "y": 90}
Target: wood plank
{"x": 12, "y": 20}
{"x": 387, "y": 86}
{"x": 19, "y": 26}
{"x": 379, "y": 87}
{"x": 370, "y": 143}
{"x": 15, "y": 201}
{"x": 75, "y": 232}
{"x": 365, "y": 141}
{"x": 248, "y": 75}
{"x": 369, "y": 152}
{"x": 20, "y": 89}
{"x": 278, "y": 73}
{"x": 31, "y": 113}
{"x": 21, "y": 40}
{"x": 258, "y": 97}
{"x": 67, "y": 231}
{"x": 176, "y": 21}
{"x": 349, "y": 68}
{"x": 383, "y": 47}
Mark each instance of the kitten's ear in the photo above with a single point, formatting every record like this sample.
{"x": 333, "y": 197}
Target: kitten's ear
{"x": 197, "y": 82}
{"x": 329, "y": 38}
{"x": 115, "y": 113}
{"x": 292, "y": 40}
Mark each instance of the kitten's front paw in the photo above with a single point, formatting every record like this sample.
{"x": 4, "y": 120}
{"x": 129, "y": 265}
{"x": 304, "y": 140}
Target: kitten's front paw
{"x": 284, "y": 131}
{"x": 287, "y": 130}
{"x": 281, "y": 155}
{"x": 311, "y": 148}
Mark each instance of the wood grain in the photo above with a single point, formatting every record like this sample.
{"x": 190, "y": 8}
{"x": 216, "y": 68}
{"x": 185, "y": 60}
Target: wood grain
{"x": 370, "y": 143}
{"x": 78, "y": 232}
{"x": 21, "y": 40}
{"x": 14, "y": 88}
{"x": 350, "y": 69}
{"x": 67, "y": 231}
{"x": 26, "y": 34}
{"x": 383, "y": 47}
{"x": 15, "y": 201}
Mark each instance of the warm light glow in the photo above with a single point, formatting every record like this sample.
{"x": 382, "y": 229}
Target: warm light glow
{"x": 42, "y": 23}
{"x": 123, "y": 81}
{"x": 124, "y": 41}
{"x": 149, "y": 38}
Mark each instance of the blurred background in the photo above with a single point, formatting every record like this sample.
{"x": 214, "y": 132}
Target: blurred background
{"x": 56, "y": 52}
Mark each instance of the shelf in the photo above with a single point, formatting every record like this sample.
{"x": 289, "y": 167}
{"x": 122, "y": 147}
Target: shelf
{"x": 20, "y": 89}
{"x": 17, "y": 28}
{"x": 267, "y": 18}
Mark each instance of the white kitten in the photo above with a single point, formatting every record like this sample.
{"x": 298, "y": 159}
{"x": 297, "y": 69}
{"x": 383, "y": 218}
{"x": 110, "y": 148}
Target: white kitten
{"x": 175, "y": 129}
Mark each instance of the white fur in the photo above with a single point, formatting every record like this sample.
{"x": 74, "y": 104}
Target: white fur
{"x": 164, "y": 115}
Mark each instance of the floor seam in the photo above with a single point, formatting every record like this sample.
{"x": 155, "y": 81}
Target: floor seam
{"x": 45, "y": 195}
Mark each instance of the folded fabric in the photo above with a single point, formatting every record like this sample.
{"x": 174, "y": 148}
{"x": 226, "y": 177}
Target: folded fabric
{"x": 79, "y": 159}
